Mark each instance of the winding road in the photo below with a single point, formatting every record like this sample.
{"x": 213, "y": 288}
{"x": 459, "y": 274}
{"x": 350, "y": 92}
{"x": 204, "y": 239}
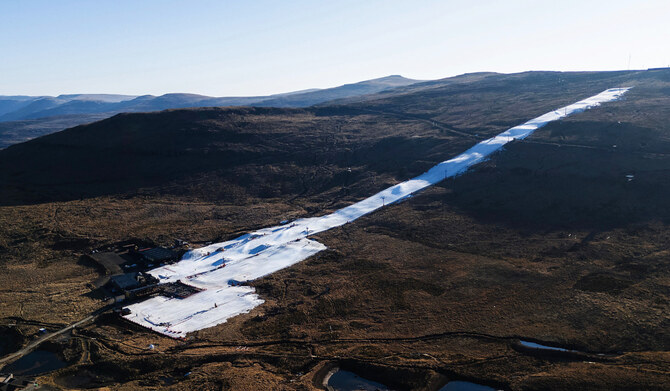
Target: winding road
{"x": 34, "y": 344}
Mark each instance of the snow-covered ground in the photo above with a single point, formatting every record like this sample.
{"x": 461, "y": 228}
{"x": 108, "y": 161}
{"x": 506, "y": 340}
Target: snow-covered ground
{"x": 220, "y": 267}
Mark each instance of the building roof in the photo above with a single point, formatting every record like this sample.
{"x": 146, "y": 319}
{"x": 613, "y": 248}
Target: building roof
{"x": 158, "y": 254}
{"x": 125, "y": 281}
{"x": 8, "y": 382}
{"x": 110, "y": 261}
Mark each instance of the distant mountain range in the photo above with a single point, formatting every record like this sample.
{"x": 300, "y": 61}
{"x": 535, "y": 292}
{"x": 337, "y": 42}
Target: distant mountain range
{"x": 26, "y": 117}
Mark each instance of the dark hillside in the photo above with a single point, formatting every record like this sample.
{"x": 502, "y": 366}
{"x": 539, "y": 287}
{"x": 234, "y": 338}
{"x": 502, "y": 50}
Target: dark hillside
{"x": 574, "y": 172}
{"x": 504, "y": 99}
{"x": 227, "y": 153}
{"x": 25, "y": 117}
{"x": 217, "y": 154}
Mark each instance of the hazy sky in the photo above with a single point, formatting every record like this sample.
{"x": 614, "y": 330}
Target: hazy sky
{"x": 226, "y": 48}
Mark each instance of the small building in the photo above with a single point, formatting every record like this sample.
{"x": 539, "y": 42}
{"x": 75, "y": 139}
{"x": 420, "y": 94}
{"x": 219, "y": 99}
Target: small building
{"x": 9, "y": 382}
{"x": 127, "y": 281}
{"x": 111, "y": 262}
{"x": 132, "y": 285}
{"x": 158, "y": 255}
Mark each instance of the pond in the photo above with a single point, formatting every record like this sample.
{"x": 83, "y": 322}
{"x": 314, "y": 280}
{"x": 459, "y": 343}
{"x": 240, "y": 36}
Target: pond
{"x": 348, "y": 381}
{"x": 458, "y": 385}
{"x": 35, "y": 363}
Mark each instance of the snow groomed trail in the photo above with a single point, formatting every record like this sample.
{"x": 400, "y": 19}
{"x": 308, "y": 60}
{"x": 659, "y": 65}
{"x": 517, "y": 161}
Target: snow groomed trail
{"x": 220, "y": 268}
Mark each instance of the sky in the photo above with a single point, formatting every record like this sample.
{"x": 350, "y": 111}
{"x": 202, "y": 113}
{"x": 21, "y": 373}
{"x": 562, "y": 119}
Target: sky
{"x": 246, "y": 48}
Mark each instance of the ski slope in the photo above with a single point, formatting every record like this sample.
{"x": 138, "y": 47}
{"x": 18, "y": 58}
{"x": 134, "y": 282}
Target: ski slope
{"x": 220, "y": 268}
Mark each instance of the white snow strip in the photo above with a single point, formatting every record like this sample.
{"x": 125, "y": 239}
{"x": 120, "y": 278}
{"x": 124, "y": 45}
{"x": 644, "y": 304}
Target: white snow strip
{"x": 220, "y": 267}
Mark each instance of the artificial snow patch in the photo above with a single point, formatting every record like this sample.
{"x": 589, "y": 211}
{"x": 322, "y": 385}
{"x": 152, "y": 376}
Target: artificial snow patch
{"x": 220, "y": 268}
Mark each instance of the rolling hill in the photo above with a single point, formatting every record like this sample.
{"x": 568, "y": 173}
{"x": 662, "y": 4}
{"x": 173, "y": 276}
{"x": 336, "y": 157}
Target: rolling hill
{"x": 129, "y": 151}
{"x": 50, "y": 114}
{"x": 559, "y": 240}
